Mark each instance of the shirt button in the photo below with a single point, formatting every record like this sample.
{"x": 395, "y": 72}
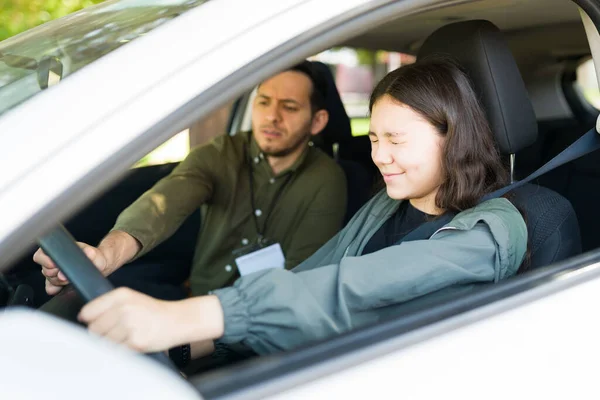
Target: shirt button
{"x": 228, "y": 268}
{"x": 256, "y": 160}
{"x": 272, "y": 180}
{"x": 262, "y": 156}
{"x": 245, "y": 241}
{"x": 258, "y": 213}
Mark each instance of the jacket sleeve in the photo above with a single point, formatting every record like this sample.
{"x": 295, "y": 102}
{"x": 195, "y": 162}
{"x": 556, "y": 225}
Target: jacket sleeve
{"x": 277, "y": 309}
{"x": 157, "y": 214}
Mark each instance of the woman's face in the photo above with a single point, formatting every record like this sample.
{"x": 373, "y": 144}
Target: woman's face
{"x": 408, "y": 152}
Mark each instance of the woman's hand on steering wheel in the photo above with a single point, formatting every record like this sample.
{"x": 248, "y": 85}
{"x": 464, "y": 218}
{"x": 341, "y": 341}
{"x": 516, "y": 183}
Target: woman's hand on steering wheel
{"x": 139, "y": 321}
{"x": 86, "y": 277}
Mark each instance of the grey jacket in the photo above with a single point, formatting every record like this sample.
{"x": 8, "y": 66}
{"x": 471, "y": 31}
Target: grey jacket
{"x": 337, "y": 289}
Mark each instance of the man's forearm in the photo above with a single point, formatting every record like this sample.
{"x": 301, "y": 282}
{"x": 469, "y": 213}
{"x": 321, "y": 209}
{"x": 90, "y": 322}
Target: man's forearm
{"x": 119, "y": 248}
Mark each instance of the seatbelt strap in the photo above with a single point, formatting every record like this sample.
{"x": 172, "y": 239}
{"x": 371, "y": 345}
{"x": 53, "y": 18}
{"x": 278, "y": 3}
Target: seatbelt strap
{"x": 584, "y": 145}
{"x": 426, "y": 230}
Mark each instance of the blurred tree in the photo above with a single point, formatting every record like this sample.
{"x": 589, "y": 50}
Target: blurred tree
{"x": 17, "y": 16}
{"x": 366, "y": 57}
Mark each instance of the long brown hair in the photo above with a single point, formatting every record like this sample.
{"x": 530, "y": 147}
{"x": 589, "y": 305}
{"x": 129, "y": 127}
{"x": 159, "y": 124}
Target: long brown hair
{"x": 441, "y": 92}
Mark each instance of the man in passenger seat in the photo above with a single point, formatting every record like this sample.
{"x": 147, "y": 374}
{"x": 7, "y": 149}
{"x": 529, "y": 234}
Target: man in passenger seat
{"x": 436, "y": 153}
{"x": 268, "y": 197}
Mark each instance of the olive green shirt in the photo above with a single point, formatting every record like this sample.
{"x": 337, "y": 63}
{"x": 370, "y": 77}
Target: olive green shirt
{"x": 215, "y": 177}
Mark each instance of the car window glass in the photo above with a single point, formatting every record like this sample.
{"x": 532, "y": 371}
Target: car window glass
{"x": 588, "y": 83}
{"x": 178, "y": 147}
{"x": 173, "y": 150}
{"x": 42, "y": 57}
{"x": 356, "y": 71}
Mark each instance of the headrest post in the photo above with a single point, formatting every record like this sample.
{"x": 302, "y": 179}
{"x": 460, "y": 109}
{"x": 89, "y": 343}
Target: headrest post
{"x": 512, "y": 168}
{"x": 336, "y": 151}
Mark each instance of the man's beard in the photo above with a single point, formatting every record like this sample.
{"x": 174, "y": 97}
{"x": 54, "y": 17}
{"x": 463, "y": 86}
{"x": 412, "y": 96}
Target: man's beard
{"x": 301, "y": 141}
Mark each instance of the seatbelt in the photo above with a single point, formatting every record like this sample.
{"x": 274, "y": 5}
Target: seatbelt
{"x": 426, "y": 230}
{"x": 584, "y": 145}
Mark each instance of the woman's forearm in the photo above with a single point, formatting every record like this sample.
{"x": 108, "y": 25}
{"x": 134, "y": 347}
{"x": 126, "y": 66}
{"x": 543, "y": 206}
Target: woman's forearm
{"x": 207, "y": 314}
{"x": 200, "y": 320}
{"x": 202, "y": 348}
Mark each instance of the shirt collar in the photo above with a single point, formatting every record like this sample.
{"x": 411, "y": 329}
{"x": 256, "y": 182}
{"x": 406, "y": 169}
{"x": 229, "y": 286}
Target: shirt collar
{"x": 258, "y": 157}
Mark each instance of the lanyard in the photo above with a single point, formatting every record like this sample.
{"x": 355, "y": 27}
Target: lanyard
{"x": 260, "y": 232}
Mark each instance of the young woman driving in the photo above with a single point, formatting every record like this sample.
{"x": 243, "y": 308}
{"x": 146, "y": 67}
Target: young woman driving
{"x": 435, "y": 151}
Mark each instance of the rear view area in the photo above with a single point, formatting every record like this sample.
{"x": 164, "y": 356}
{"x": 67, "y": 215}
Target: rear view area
{"x": 565, "y": 99}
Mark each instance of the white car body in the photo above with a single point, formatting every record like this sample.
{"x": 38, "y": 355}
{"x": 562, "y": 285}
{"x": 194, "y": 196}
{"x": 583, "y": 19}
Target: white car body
{"x": 537, "y": 344}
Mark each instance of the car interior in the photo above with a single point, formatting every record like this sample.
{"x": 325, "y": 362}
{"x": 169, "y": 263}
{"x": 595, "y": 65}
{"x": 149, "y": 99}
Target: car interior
{"x": 523, "y": 58}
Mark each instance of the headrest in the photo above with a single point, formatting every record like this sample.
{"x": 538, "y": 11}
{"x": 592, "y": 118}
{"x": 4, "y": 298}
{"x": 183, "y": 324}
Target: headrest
{"x": 338, "y": 128}
{"x": 319, "y": 81}
{"x": 478, "y": 46}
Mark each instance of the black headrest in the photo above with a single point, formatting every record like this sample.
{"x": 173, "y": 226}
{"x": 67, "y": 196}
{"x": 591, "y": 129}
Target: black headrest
{"x": 478, "y": 46}
{"x": 319, "y": 81}
{"x": 338, "y": 128}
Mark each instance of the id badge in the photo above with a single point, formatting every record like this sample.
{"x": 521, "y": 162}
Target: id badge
{"x": 261, "y": 259}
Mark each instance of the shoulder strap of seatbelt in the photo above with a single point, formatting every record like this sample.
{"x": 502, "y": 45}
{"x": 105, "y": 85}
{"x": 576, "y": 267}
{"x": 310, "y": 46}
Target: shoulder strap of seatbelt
{"x": 426, "y": 230}
{"x": 584, "y": 145}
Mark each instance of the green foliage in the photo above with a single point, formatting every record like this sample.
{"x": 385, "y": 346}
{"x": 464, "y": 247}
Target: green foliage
{"x": 17, "y": 16}
{"x": 365, "y": 57}
{"x": 360, "y": 126}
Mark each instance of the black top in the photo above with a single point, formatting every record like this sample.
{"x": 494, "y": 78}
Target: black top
{"x": 403, "y": 221}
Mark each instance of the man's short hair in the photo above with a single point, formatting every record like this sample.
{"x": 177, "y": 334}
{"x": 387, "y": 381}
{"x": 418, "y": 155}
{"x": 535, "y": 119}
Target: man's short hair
{"x": 319, "y": 85}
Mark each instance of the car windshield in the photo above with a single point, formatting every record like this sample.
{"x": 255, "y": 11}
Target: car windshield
{"x": 42, "y": 57}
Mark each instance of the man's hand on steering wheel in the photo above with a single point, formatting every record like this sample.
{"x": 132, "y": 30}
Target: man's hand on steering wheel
{"x": 86, "y": 266}
{"x": 56, "y": 280}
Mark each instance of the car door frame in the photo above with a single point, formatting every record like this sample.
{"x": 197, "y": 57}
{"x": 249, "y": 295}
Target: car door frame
{"x": 299, "y": 367}
{"x": 105, "y": 146}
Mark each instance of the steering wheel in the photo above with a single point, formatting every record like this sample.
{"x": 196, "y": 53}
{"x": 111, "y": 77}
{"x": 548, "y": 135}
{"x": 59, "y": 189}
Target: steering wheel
{"x": 60, "y": 246}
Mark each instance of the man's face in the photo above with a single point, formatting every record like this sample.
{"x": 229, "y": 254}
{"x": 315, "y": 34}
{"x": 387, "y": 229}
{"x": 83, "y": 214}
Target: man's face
{"x": 281, "y": 114}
